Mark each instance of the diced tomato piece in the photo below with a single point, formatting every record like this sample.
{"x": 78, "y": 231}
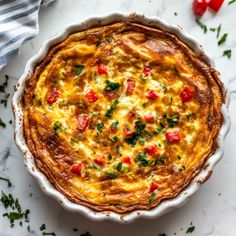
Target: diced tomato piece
{"x": 130, "y": 86}
{"x": 215, "y": 4}
{"x": 173, "y": 136}
{"x": 101, "y": 69}
{"x": 113, "y": 129}
{"x": 100, "y": 160}
{"x": 77, "y": 169}
{"x": 187, "y": 94}
{"x": 146, "y": 71}
{"x": 151, "y": 150}
{"x": 128, "y": 132}
{"x": 152, "y": 94}
{"x": 149, "y": 118}
{"x": 53, "y": 96}
{"x": 199, "y": 7}
{"x": 91, "y": 96}
{"x": 153, "y": 187}
{"x": 131, "y": 114}
{"x": 126, "y": 160}
{"x": 83, "y": 122}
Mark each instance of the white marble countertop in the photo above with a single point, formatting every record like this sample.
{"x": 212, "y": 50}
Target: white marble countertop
{"x": 212, "y": 209}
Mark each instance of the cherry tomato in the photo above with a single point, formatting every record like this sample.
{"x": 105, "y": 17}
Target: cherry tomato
{"x": 53, "y": 96}
{"x": 199, "y": 7}
{"x": 101, "y": 69}
{"x": 151, "y": 94}
{"x": 128, "y": 132}
{"x": 152, "y": 150}
{"x": 153, "y": 187}
{"x": 149, "y": 118}
{"x": 77, "y": 169}
{"x": 187, "y": 94}
{"x": 173, "y": 136}
{"x": 91, "y": 96}
{"x": 130, "y": 86}
{"x": 146, "y": 71}
{"x": 215, "y": 4}
{"x": 126, "y": 160}
{"x": 83, "y": 122}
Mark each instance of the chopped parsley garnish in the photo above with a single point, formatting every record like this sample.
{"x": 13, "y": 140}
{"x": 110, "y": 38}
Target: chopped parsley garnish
{"x": 140, "y": 126}
{"x": 159, "y": 130}
{"x": 142, "y": 160}
{"x": 152, "y": 197}
{"x": 3, "y": 124}
{"x": 7, "y": 180}
{"x": 227, "y": 53}
{"x": 141, "y": 141}
{"x": 39, "y": 102}
{"x": 16, "y": 214}
{"x": 172, "y": 120}
{"x": 190, "y": 229}
{"x": 111, "y": 86}
{"x": 232, "y": 1}
{"x": 113, "y": 139}
{"x": 111, "y": 109}
{"x": 100, "y": 126}
{"x": 144, "y": 105}
{"x": 108, "y": 39}
{"x": 120, "y": 167}
{"x": 222, "y": 39}
{"x": 78, "y": 69}
{"x": 114, "y": 124}
{"x": 98, "y": 42}
{"x": 4, "y": 85}
{"x": 57, "y": 126}
{"x": 111, "y": 175}
{"x": 202, "y": 26}
{"x": 109, "y": 156}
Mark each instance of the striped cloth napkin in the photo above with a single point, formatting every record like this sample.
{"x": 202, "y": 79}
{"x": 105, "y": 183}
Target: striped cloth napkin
{"x": 18, "y": 23}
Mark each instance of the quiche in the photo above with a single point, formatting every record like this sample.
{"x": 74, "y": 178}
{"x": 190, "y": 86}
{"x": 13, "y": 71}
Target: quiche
{"x": 121, "y": 117}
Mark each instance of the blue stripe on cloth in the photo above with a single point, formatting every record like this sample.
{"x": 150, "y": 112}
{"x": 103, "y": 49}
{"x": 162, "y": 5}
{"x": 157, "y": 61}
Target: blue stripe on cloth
{"x": 16, "y": 7}
{"x": 29, "y": 24}
{"x": 17, "y": 16}
{"x": 19, "y": 22}
{"x": 13, "y": 40}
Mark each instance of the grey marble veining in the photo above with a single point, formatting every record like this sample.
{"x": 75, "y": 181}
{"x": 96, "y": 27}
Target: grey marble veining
{"x": 212, "y": 209}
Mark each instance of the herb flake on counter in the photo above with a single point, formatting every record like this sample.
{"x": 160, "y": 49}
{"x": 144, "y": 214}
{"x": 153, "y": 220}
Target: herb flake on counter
{"x": 218, "y": 31}
{"x": 6, "y": 180}
{"x": 202, "y": 26}
{"x": 222, "y": 39}
{"x": 86, "y": 234}
{"x": 231, "y": 2}
{"x": 227, "y": 53}
{"x": 4, "y": 85}
{"x": 16, "y": 214}
{"x": 3, "y": 124}
{"x": 190, "y": 229}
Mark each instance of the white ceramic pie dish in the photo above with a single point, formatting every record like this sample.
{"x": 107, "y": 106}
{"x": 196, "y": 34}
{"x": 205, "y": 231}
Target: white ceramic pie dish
{"x": 45, "y": 184}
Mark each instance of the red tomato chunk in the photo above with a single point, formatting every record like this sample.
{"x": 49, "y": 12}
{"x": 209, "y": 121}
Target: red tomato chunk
{"x": 83, "y": 122}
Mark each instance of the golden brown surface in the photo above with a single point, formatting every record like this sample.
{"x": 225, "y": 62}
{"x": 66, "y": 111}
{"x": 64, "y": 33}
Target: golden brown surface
{"x": 122, "y": 117}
